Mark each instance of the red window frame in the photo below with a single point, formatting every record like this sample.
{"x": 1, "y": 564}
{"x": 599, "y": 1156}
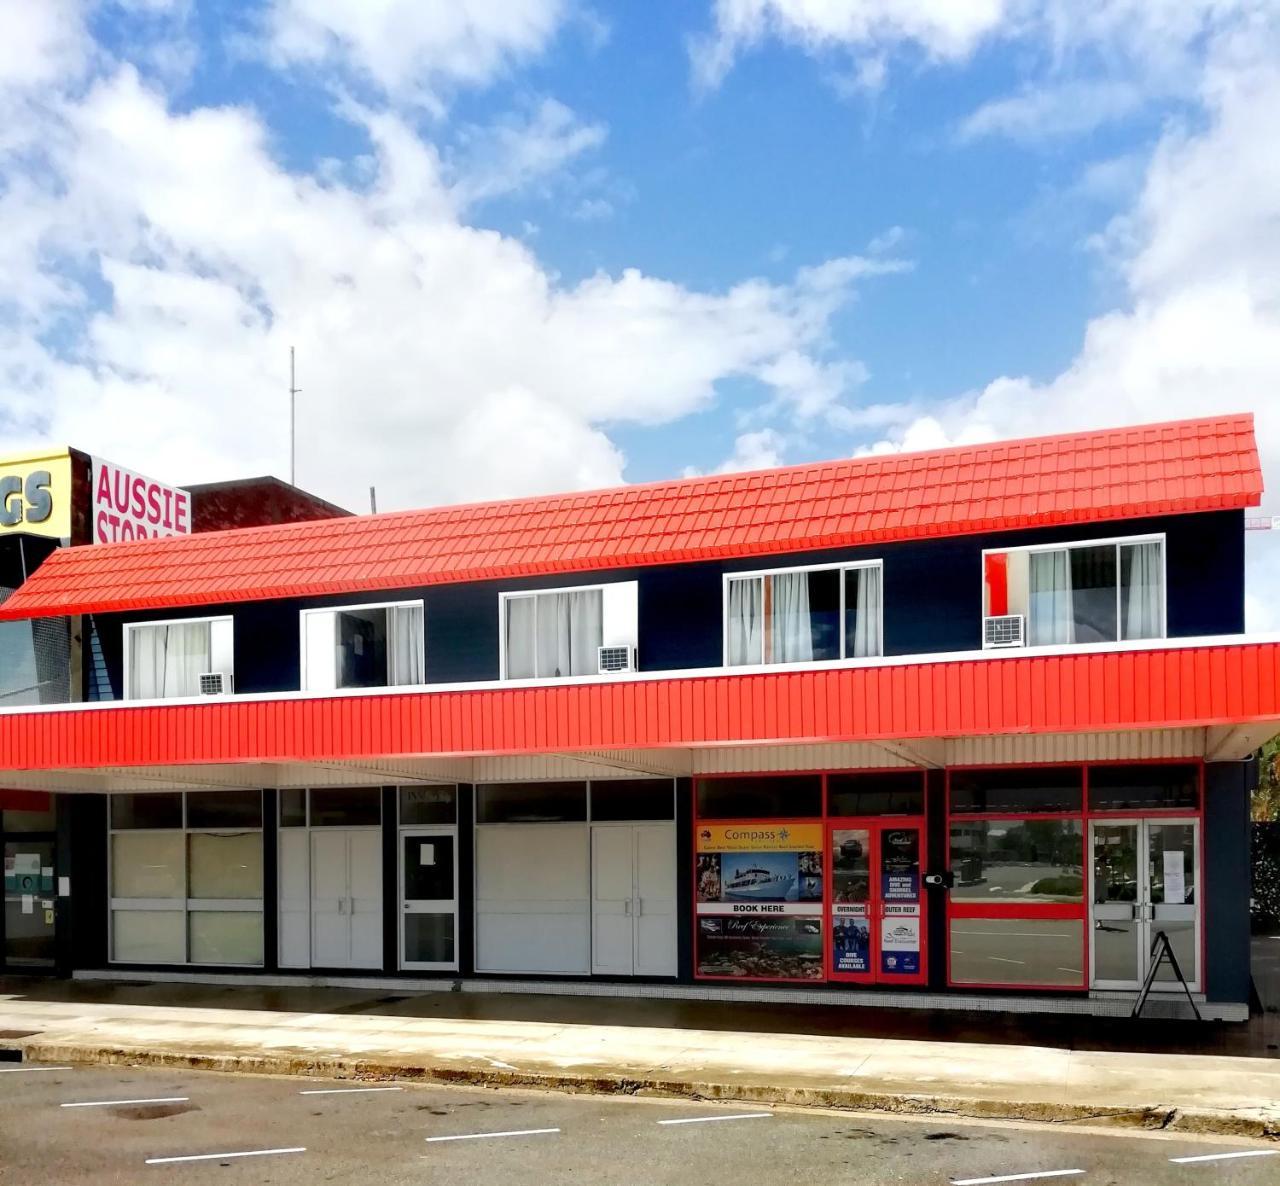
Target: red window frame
{"x": 824, "y": 820}
{"x": 1064, "y": 910}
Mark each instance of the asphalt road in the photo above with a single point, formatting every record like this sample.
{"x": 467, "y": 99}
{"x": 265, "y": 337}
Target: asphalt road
{"x": 132, "y": 1125}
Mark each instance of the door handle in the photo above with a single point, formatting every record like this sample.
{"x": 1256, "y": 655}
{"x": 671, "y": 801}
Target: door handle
{"x": 639, "y": 906}
{"x": 626, "y": 907}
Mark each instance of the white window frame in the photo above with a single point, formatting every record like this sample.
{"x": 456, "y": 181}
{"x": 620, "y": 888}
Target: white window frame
{"x": 619, "y": 618}
{"x": 222, "y": 647}
{"x": 186, "y": 904}
{"x": 332, "y": 609}
{"x": 842, "y": 568}
{"x": 1116, "y": 541}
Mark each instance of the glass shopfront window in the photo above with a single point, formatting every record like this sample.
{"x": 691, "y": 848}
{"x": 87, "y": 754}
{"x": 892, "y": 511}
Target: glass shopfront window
{"x": 1146, "y": 787}
{"x": 1018, "y": 860}
{"x": 785, "y": 796}
{"x": 1017, "y": 791}
{"x": 1038, "y": 952}
{"x": 186, "y": 878}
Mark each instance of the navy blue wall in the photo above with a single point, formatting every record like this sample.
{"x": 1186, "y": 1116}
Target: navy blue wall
{"x": 1227, "y": 788}
{"x": 932, "y": 602}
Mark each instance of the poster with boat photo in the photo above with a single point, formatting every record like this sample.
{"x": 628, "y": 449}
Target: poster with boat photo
{"x": 759, "y": 901}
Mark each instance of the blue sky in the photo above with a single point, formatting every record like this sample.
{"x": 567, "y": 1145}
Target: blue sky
{"x": 528, "y": 245}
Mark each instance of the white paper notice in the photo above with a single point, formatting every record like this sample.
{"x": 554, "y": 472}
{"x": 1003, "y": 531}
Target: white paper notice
{"x": 426, "y": 854}
{"x": 28, "y": 903}
{"x": 64, "y": 887}
{"x": 1175, "y": 877}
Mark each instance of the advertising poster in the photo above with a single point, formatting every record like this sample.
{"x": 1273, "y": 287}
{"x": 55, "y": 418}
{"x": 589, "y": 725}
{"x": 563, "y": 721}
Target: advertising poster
{"x": 759, "y": 901}
{"x": 900, "y": 944}
{"x": 900, "y": 865}
{"x": 851, "y": 939}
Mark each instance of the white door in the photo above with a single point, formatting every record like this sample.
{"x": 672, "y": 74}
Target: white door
{"x": 346, "y": 898}
{"x": 613, "y": 899}
{"x": 364, "y": 865}
{"x": 330, "y": 922}
{"x": 428, "y": 899}
{"x": 633, "y": 900}
{"x": 533, "y": 898}
{"x": 1144, "y": 877}
{"x": 655, "y": 912}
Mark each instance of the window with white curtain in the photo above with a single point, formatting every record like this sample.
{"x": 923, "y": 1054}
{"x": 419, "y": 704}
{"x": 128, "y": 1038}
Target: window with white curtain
{"x": 167, "y": 659}
{"x": 1080, "y": 592}
{"x": 548, "y": 635}
{"x": 804, "y": 615}
{"x": 363, "y": 646}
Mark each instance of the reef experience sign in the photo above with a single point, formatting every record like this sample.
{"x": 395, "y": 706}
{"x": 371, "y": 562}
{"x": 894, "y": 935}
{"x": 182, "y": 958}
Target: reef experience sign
{"x": 35, "y": 495}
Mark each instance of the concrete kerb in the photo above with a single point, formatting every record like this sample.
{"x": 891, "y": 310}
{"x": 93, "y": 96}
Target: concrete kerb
{"x": 1154, "y": 1116}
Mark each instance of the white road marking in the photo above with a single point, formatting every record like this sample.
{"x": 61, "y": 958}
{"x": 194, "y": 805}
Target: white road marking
{"x": 710, "y": 1119}
{"x": 19, "y": 1070}
{"x": 1001, "y": 960}
{"x": 481, "y": 1136}
{"x": 1073, "y": 971}
{"x": 1014, "y": 1177}
{"x": 223, "y": 1156}
{"x": 347, "y": 1090}
{"x": 168, "y": 1099}
{"x": 1225, "y": 1156}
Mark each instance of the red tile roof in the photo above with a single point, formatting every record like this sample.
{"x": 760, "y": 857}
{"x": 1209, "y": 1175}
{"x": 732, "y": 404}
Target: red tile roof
{"x": 1158, "y": 469}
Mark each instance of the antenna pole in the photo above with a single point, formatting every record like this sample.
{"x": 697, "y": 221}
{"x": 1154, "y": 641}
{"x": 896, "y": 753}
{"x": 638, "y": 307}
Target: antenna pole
{"x": 373, "y": 500}
{"x": 293, "y": 422}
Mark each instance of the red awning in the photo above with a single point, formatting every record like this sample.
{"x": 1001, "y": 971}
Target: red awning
{"x": 1179, "y": 467}
{"x": 1179, "y": 686}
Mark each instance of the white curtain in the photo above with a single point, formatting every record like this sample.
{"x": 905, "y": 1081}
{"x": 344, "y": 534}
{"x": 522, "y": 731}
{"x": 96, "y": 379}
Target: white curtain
{"x": 406, "y": 650}
{"x": 554, "y": 634}
{"x": 863, "y": 638}
{"x": 521, "y": 643}
{"x": 167, "y": 661}
{"x": 1052, "y": 619}
{"x": 1142, "y": 599}
{"x": 746, "y": 634}
{"x": 791, "y": 626}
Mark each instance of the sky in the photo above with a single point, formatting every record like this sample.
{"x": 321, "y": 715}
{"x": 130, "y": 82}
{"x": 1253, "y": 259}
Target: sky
{"x": 523, "y": 246}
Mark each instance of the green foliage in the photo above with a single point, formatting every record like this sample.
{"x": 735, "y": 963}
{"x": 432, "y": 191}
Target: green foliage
{"x": 1266, "y": 798}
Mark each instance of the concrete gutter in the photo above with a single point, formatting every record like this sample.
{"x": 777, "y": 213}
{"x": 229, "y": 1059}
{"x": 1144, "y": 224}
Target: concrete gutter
{"x": 1228, "y": 1096}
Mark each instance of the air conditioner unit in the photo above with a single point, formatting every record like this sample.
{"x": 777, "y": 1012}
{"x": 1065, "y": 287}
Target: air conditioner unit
{"x": 216, "y": 683}
{"x": 1006, "y": 630}
{"x": 611, "y": 660}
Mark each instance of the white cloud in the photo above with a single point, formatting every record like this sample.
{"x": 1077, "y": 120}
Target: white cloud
{"x": 942, "y": 28}
{"x": 519, "y": 151}
{"x": 412, "y": 48}
{"x": 763, "y": 449}
{"x": 41, "y": 42}
{"x": 1200, "y": 332}
{"x": 1082, "y": 64}
{"x": 437, "y": 360}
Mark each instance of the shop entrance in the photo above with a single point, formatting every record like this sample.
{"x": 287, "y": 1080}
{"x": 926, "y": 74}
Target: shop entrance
{"x": 346, "y": 898}
{"x": 633, "y": 902}
{"x": 876, "y": 927}
{"x": 428, "y": 896}
{"x": 1144, "y": 877}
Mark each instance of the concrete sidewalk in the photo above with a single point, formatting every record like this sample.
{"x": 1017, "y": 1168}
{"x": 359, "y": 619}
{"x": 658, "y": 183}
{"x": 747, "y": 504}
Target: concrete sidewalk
{"x": 99, "y": 1023}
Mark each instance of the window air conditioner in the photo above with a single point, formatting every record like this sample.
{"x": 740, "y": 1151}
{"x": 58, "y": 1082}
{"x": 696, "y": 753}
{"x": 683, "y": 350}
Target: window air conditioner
{"x": 614, "y": 659}
{"x": 1007, "y": 630}
{"x": 216, "y": 683}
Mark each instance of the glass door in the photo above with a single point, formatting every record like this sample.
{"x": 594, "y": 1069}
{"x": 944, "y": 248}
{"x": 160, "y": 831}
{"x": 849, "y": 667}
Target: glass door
{"x": 1144, "y": 876}
{"x": 877, "y": 905}
{"x": 1173, "y": 866}
{"x": 1116, "y": 933}
{"x": 28, "y": 903}
{"x": 428, "y": 897}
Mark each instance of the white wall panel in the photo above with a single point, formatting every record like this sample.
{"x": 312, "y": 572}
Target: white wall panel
{"x": 1129, "y": 745}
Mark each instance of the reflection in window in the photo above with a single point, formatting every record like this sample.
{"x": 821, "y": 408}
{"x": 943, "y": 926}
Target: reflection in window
{"x": 1018, "y": 860}
{"x": 804, "y": 616}
{"x": 1080, "y": 593}
{"x": 364, "y": 647}
{"x": 1018, "y": 951}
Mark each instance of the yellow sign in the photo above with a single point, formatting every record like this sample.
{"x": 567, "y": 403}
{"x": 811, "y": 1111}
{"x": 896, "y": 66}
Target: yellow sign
{"x": 754, "y": 837}
{"x": 35, "y": 494}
